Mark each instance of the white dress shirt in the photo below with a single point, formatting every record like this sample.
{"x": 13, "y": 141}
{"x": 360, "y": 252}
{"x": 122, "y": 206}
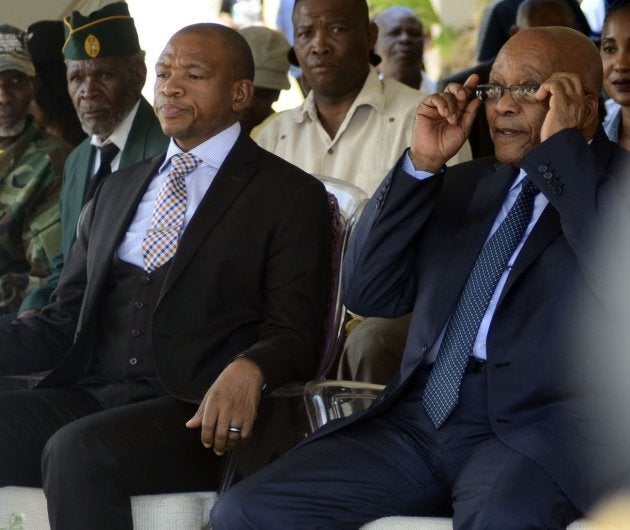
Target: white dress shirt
{"x": 212, "y": 153}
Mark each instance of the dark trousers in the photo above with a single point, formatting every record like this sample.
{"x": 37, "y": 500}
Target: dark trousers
{"x": 398, "y": 464}
{"x": 90, "y": 460}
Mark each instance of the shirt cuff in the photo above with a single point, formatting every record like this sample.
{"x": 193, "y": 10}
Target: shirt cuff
{"x": 407, "y": 167}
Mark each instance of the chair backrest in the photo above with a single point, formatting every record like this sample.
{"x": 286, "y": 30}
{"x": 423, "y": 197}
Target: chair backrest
{"x": 281, "y": 421}
{"x": 346, "y": 203}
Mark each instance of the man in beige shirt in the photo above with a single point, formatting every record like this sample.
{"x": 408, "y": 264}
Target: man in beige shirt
{"x": 352, "y": 126}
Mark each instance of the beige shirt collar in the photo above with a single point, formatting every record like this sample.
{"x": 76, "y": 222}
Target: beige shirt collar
{"x": 371, "y": 94}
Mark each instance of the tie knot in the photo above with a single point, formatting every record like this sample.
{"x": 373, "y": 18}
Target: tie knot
{"x": 108, "y": 152}
{"x": 528, "y": 187}
{"x": 184, "y": 163}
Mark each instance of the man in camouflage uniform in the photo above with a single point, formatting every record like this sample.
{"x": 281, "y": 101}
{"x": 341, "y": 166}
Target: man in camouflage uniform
{"x": 31, "y": 163}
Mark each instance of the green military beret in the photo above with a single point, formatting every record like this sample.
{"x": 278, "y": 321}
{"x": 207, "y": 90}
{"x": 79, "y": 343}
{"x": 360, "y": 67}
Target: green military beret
{"x": 108, "y": 32}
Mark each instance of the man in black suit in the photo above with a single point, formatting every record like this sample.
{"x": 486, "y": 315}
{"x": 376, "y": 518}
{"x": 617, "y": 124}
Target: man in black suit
{"x": 490, "y": 417}
{"x": 500, "y": 16}
{"x": 187, "y": 306}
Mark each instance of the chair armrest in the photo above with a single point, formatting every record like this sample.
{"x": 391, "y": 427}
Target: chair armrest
{"x": 329, "y": 400}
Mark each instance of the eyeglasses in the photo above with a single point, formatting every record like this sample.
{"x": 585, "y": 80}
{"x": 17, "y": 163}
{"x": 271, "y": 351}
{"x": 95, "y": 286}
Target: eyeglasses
{"x": 518, "y": 92}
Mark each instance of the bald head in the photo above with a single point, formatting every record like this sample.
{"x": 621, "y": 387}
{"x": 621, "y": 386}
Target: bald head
{"x": 532, "y": 57}
{"x": 400, "y": 44}
{"x": 558, "y": 49}
{"x": 536, "y": 13}
{"x": 203, "y": 82}
{"x": 395, "y": 13}
{"x": 232, "y": 44}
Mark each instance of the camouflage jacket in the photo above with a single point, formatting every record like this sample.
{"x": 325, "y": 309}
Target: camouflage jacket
{"x": 30, "y": 227}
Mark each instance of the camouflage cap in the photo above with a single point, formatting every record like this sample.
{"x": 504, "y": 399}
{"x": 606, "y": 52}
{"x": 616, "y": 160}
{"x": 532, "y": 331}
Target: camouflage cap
{"x": 14, "y": 53}
{"x": 107, "y": 32}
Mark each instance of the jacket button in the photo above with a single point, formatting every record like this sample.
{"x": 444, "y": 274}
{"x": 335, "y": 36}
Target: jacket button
{"x": 138, "y": 304}
{"x": 133, "y": 361}
{"x": 542, "y": 168}
{"x": 145, "y": 279}
{"x": 135, "y": 332}
{"x": 547, "y": 175}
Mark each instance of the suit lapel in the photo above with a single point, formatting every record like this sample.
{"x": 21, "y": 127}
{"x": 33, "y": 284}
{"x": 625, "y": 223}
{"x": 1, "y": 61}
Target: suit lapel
{"x": 135, "y": 145}
{"x": 231, "y": 178}
{"x": 116, "y": 214}
{"x": 548, "y": 226}
{"x": 544, "y": 232}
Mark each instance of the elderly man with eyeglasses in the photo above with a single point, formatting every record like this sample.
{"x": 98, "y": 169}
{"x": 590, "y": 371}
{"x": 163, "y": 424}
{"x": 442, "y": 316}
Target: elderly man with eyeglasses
{"x": 491, "y": 417}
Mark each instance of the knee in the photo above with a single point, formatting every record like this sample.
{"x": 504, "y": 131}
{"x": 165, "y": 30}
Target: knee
{"x": 70, "y": 452}
{"x": 370, "y": 340}
{"x": 379, "y": 336}
{"x": 515, "y": 518}
{"x": 234, "y": 509}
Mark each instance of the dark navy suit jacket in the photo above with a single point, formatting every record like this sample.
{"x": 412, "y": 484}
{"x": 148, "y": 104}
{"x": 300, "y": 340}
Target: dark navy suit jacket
{"x": 415, "y": 246}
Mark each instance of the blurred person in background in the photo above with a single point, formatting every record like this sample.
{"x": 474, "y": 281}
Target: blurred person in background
{"x": 52, "y": 107}
{"x": 615, "y": 53}
{"x": 269, "y": 48}
{"x": 400, "y": 45}
{"x": 500, "y": 16}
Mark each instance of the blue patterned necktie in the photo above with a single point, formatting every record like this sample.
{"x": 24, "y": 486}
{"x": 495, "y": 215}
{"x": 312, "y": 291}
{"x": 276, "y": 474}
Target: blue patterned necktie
{"x": 169, "y": 210}
{"x": 441, "y": 393}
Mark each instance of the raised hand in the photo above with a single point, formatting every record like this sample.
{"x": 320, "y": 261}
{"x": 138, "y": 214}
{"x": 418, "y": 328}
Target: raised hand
{"x": 569, "y": 105}
{"x": 442, "y": 125}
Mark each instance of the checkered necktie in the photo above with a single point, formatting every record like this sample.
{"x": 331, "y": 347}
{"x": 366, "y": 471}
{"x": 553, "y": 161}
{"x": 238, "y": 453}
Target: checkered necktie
{"x": 169, "y": 209}
{"x": 441, "y": 393}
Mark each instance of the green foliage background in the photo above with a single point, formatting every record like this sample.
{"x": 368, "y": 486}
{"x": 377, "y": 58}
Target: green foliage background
{"x": 424, "y": 8}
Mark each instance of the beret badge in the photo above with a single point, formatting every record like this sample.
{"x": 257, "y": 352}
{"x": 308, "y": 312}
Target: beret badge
{"x": 92, "y": 46}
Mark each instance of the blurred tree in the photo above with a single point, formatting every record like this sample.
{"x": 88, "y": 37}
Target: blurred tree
{"x": 424, "y": 9}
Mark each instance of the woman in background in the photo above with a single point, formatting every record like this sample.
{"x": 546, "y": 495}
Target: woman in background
{"x": 615, "y": 53}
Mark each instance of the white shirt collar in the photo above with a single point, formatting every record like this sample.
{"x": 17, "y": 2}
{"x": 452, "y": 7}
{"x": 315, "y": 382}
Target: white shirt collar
{"x": 213, "y": 151}
{"x": 121, "y": 133}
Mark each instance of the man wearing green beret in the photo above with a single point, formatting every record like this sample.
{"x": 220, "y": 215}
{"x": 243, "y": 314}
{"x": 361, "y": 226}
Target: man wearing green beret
{"x": 106, "y": 73}
{"x": 31, "y": 162}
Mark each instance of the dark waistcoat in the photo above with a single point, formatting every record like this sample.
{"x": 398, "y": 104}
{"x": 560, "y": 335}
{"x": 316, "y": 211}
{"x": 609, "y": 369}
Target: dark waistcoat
{"x": 122, "y": 368}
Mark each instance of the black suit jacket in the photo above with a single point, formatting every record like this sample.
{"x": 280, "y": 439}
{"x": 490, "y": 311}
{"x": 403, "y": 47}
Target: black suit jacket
{"x": 413, "y": 251}
{"x": 250, "y": 277}
{"x": 498, "y": 19}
